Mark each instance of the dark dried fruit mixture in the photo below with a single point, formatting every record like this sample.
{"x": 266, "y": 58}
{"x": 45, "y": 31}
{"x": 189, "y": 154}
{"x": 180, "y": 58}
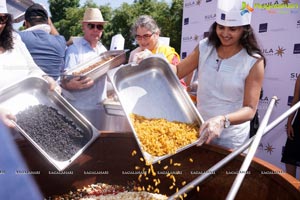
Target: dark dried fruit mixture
{"x": 52, "y": 131}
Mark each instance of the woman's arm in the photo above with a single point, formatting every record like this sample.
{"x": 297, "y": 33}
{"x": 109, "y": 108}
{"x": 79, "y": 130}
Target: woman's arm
{"x": 213, "y": 127}
{"x": 189, "y": 64}
{"x": 253, "y": 85}
{"x": 32, "y": 66}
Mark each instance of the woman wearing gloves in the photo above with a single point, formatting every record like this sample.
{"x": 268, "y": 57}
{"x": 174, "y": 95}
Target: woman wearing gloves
{"x": 230, "y": 75}
{"x": 146, "y": 32}
{"x": 15, "y": 60}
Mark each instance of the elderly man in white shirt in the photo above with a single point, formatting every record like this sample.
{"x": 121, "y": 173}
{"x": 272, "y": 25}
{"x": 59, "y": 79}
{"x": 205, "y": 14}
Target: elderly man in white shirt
{"x": 87, "y": 94}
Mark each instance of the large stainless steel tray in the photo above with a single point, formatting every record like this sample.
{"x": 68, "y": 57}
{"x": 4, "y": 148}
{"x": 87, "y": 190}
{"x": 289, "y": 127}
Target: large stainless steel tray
{"x": 34, "y": 91}
{"x": 151, "y": 89}
{"x": 119, "y": 57}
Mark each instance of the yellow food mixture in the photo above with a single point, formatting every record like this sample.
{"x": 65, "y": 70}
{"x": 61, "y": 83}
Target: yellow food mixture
{"x": 159, "y": 137}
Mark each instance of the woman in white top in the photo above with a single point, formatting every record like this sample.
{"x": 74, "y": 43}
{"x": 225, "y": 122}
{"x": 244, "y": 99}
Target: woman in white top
{"x": 230, "y": 75}
{"x": 15, "y": 60}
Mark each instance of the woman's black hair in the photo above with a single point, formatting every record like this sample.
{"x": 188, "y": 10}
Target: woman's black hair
{"x": 248, "y": 40}
{"x": 6, "y": 37}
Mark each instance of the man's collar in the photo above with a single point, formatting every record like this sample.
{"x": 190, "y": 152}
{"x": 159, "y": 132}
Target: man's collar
{"x": 43, "y": 27}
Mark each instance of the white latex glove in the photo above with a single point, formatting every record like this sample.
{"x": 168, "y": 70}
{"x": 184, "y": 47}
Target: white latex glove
{"x": 138, "y": 57}
{"x": 211, "y": 129}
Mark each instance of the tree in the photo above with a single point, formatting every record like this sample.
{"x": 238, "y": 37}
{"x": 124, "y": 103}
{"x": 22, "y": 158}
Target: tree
{"x": 58, "y": 8}
{"x": 107, "y": 33}
{"x": 71, "y": 25}
{"x": 175, "y": 29}
{"x": 167, "y": 20}
{"x": 120, "y": 20}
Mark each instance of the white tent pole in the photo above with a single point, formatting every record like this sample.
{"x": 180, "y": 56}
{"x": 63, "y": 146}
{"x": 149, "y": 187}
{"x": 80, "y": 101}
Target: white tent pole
{"x": 232, "y": 155}
{"x": 250, "y": 154}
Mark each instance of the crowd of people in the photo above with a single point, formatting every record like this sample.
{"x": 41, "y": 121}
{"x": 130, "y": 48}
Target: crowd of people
{"x": 16, "y": 61}
{"x": 229, "y": 65}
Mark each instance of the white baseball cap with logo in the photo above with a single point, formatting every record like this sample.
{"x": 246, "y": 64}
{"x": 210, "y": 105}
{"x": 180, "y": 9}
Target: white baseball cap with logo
{"x": 234, "y": 12}
{"x": 3, "y": 8}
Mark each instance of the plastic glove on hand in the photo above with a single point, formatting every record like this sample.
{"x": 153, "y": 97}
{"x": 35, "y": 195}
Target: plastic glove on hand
{"x": 138, "y": 57}
{"x": 211, "y": 129}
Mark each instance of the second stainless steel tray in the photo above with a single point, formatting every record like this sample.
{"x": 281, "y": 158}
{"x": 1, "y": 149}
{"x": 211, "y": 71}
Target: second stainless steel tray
{"x": 116, "y": 58}
{"x": 151, "y": 89}
{"x": 35, "y": 91}
{"x": 113, "y": 107}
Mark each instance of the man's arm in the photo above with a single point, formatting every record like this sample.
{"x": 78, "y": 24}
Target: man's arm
{"x": 53, "y": 30}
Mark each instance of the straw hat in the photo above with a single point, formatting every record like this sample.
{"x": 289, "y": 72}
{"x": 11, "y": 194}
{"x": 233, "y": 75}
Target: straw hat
{"x": 234, "y": 12}
{"x": 3, "y": 8}
{"x": 93, "y": 15}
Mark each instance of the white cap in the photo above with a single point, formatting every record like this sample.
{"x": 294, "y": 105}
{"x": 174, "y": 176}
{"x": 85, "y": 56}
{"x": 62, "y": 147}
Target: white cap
{"x": 3, "y": 8}
{"x": 234, "y": 12}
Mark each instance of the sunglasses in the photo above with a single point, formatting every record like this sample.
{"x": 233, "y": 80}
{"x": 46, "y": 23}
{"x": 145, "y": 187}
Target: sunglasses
{"x": 145, "y": 37}
{"x": 3, "y": 19}
{"x": 92, "y": 26}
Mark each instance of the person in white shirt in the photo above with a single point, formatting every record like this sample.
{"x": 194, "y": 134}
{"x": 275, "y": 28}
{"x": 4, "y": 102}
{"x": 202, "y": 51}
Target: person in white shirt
{"x": 15, "y": 60}
{"x": 230, "y": 68}
{"x": 84, "y": 93}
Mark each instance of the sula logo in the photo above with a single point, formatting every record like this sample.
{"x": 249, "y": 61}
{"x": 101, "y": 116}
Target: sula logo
{"x": 246, "y": 8}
